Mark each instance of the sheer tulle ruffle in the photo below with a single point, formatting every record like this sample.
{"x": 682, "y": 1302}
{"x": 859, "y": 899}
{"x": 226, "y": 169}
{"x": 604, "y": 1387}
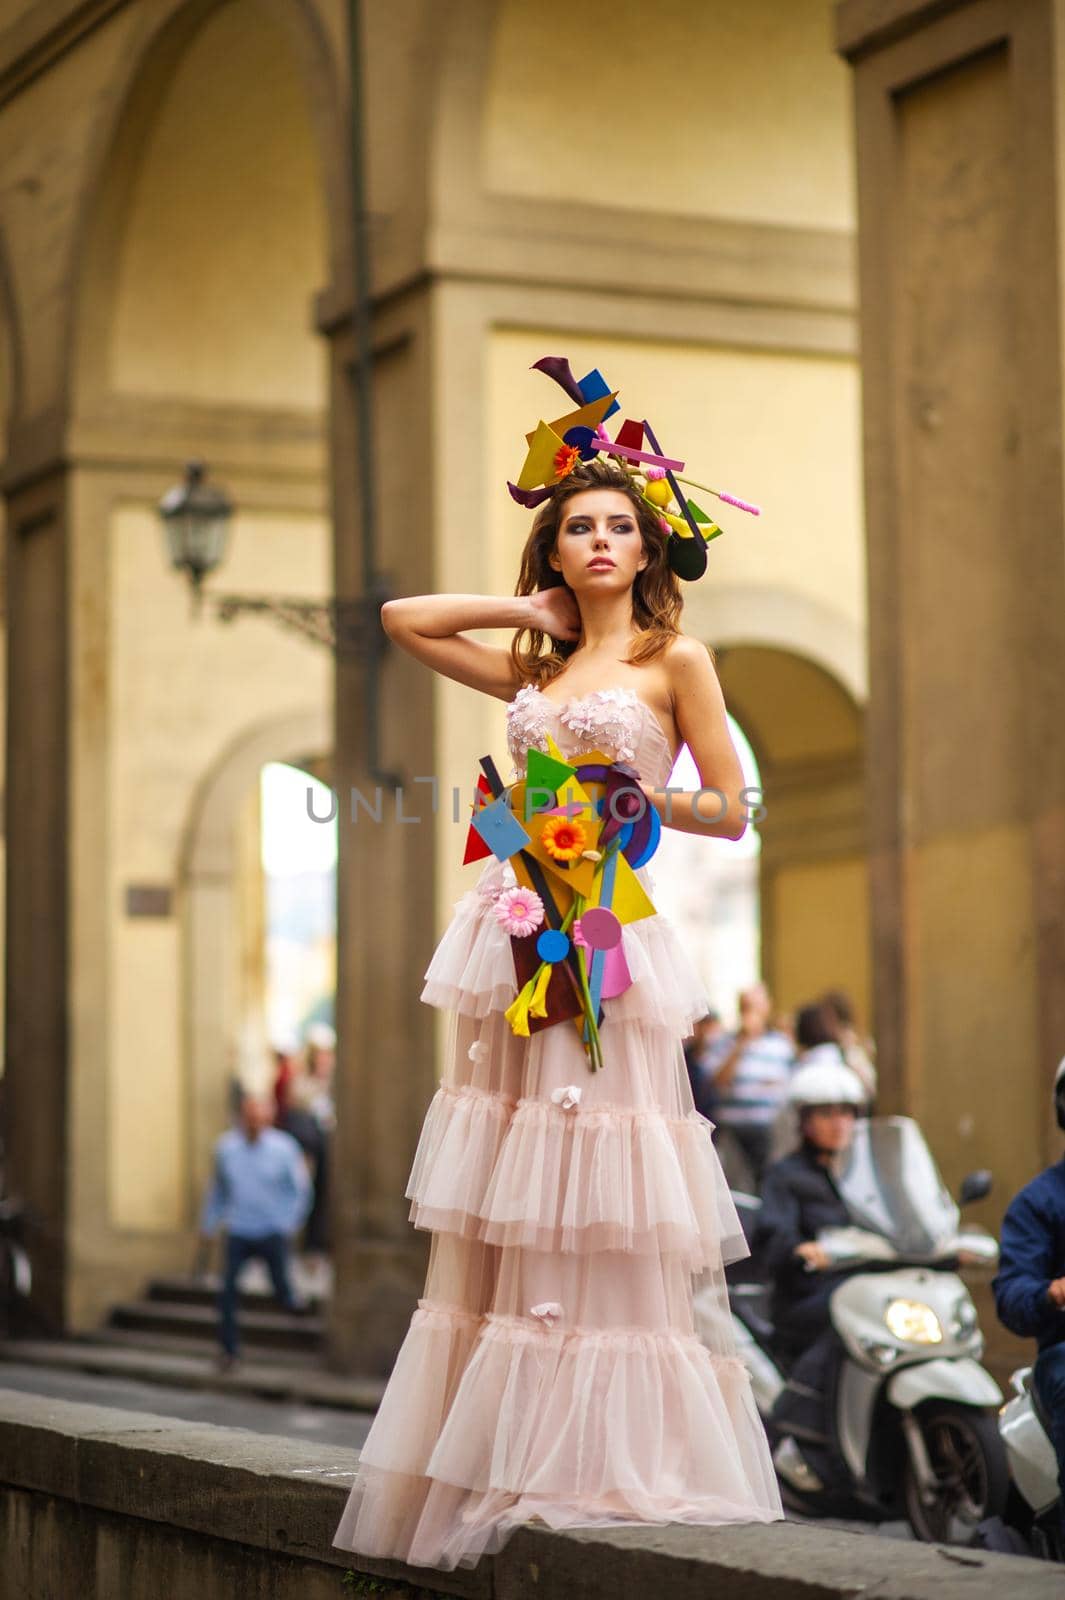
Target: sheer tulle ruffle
{"x": 546, "y": 1178}
{"x": 577, "y": 1427}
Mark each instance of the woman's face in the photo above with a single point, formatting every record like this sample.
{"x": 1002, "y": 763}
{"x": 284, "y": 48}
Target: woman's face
{"x": 830, "y": 1127}
{"x": 599, "y": 545}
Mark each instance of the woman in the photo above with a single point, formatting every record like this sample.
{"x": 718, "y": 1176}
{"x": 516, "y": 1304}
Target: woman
{"x": 551, "y": 1369}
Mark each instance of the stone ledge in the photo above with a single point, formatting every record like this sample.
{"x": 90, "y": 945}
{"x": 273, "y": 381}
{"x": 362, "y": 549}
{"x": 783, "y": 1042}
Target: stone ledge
{"x": 94, "y": 1481}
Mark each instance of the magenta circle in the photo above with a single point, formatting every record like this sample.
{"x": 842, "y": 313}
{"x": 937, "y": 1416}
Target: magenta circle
{"x": 600, "y": 928}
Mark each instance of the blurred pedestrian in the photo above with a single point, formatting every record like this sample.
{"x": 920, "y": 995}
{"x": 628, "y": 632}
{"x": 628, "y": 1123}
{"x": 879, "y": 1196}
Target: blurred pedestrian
{"x": 259, "y": 1195}
{"x": 285, "y": 1052}
{"x": 707, "y": 1029}
{"x": 749, "y": 1070}
{"x": 311, "y": 1095}
{"x": 859, "y": 1053}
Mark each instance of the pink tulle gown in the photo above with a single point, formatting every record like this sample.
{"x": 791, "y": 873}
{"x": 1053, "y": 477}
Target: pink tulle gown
{"x": 554, "y": 1368}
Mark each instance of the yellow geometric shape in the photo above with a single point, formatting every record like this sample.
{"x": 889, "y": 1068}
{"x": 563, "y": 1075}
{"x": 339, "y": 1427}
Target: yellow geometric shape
{"x": 589, "y": 416}
{"x": 539, "y": 465}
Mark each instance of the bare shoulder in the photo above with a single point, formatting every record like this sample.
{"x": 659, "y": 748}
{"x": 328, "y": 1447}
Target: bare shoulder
{"x": 689, "y": 665}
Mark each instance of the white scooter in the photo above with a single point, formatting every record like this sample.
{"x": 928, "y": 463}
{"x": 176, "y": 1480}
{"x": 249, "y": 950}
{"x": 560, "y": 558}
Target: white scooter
{"x": 914, "y": 1430}
{"x": 1031, "y": 1525}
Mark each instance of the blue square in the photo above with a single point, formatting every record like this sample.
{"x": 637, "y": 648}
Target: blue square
{"x": 500, "y": 829}
{"x": 594, "y": 387}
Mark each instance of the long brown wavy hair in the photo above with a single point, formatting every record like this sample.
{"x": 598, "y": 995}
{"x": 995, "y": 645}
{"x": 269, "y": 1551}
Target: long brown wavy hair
{"x": 656, "y": 596}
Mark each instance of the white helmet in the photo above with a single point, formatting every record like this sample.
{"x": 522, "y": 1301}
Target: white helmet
{"x": 826, "y": 1083}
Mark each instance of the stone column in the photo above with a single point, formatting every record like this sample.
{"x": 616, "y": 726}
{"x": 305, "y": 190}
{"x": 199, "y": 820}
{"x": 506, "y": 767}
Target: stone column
{"x": 385, "y": 876}
{"x": 958, "y": 109}
{"x": 38, "y": 879}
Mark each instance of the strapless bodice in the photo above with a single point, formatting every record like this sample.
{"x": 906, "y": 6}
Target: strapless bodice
{"x": 615, "y": 721}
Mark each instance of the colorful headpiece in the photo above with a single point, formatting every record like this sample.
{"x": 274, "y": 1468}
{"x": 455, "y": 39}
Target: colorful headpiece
{"x": 555, "y": 448}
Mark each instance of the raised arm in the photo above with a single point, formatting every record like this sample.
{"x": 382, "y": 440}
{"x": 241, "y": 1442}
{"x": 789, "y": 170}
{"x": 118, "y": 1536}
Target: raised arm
{"x": 699, "y": 710}
{"x": 431, "y": 628}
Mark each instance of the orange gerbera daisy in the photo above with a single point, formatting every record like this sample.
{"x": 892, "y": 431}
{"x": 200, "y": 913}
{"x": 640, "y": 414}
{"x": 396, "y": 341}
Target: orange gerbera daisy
{"x": 563, "y": 839}
{"x": 566, "y": 459}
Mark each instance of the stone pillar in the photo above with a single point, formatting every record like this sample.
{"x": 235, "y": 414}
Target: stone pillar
{"x": 38, "y": 880}
{"x": 958, "y": 109}
{"x": 385, "y": 874}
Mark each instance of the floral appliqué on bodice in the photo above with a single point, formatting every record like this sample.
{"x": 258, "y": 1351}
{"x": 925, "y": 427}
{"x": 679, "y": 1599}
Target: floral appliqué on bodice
{"x": 613, "y": 720}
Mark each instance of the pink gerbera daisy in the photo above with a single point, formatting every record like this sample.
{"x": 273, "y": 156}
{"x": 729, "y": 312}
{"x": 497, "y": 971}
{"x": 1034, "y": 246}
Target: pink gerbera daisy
{"x": 521, "y": 911}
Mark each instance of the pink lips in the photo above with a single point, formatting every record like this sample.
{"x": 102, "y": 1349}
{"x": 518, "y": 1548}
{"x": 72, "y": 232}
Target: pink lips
{"x": 601, "y": 565}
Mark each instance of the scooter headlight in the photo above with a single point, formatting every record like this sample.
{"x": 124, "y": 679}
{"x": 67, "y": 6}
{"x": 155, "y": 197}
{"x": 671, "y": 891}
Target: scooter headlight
{"x": 912, "y": 1322}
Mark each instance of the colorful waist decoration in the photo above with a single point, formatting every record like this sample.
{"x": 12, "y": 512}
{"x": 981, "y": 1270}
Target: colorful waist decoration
{"x": 574, "y": 834}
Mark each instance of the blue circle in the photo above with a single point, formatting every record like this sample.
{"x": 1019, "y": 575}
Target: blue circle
{"x": 552, "y": 945}
{"x": 653, "y": 837}
{"x": 584, "y": 440}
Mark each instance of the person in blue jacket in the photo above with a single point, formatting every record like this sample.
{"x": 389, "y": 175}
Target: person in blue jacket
{"x": 1030, "y": 1285}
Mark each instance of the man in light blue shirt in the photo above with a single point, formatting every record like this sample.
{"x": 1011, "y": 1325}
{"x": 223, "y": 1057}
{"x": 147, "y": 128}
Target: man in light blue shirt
{"x": 749, "y": 1072}
{"x": 260, "y": 1195}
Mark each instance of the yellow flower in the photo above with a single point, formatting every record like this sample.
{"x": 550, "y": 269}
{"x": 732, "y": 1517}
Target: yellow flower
{"x": 517, "y": 1013}
{"x": 538, "y": 1004}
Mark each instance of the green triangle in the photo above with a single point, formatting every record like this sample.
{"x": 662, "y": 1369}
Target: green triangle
{"x": 697, "y": 512}
{"x": 544, "y": 771}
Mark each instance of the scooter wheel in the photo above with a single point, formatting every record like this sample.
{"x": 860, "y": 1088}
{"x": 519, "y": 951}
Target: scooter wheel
{"x": 968, "y": 1458}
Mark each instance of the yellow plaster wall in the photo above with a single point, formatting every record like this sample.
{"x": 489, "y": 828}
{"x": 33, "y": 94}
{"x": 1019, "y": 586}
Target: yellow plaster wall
{"x": 182, "y": 691}
{"x": 975, "y": 1077}
{"x": 821, "y": 912}
{"x": 778, "y": 429}
{"x": 735, "y": 108}
{"x": 225, "y": 239}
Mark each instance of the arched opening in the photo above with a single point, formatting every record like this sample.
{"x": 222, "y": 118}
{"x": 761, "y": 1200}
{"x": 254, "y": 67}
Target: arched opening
{"x": 228, "y": 1024}
{"x": 807, "y": 732}
{"x": 709, "y": 887}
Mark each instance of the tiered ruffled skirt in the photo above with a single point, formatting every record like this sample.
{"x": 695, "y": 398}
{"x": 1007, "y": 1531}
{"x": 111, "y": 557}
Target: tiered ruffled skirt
{"x": 553, "y": 1368}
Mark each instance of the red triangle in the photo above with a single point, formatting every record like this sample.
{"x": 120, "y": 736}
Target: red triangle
{"x": 630, "y": 434}
{"x": 476, "y": 849}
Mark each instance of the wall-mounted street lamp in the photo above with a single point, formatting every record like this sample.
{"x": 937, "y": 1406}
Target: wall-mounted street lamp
{"x": 196, "y": 517}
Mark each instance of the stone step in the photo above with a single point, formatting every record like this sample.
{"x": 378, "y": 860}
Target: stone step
{"x": 306, "y": 1381}
{"x": 260, "y": 1328}
{"x": 181, "y": 1345}
{"x": 203, "y": 1291}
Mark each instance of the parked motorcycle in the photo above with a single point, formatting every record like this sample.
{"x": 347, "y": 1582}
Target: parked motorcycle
{"x": 914, "y": 1431}
{"x": 1031, "y": 1524}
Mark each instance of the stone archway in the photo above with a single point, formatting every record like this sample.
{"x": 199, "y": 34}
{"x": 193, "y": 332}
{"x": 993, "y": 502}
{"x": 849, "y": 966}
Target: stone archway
{"x": 784, "y": 619}
{"x": 120, "y": 710}
{"x": 206, "y": 890}
{"x": 166, "y": 32}
{"x": 808, "y": 732}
